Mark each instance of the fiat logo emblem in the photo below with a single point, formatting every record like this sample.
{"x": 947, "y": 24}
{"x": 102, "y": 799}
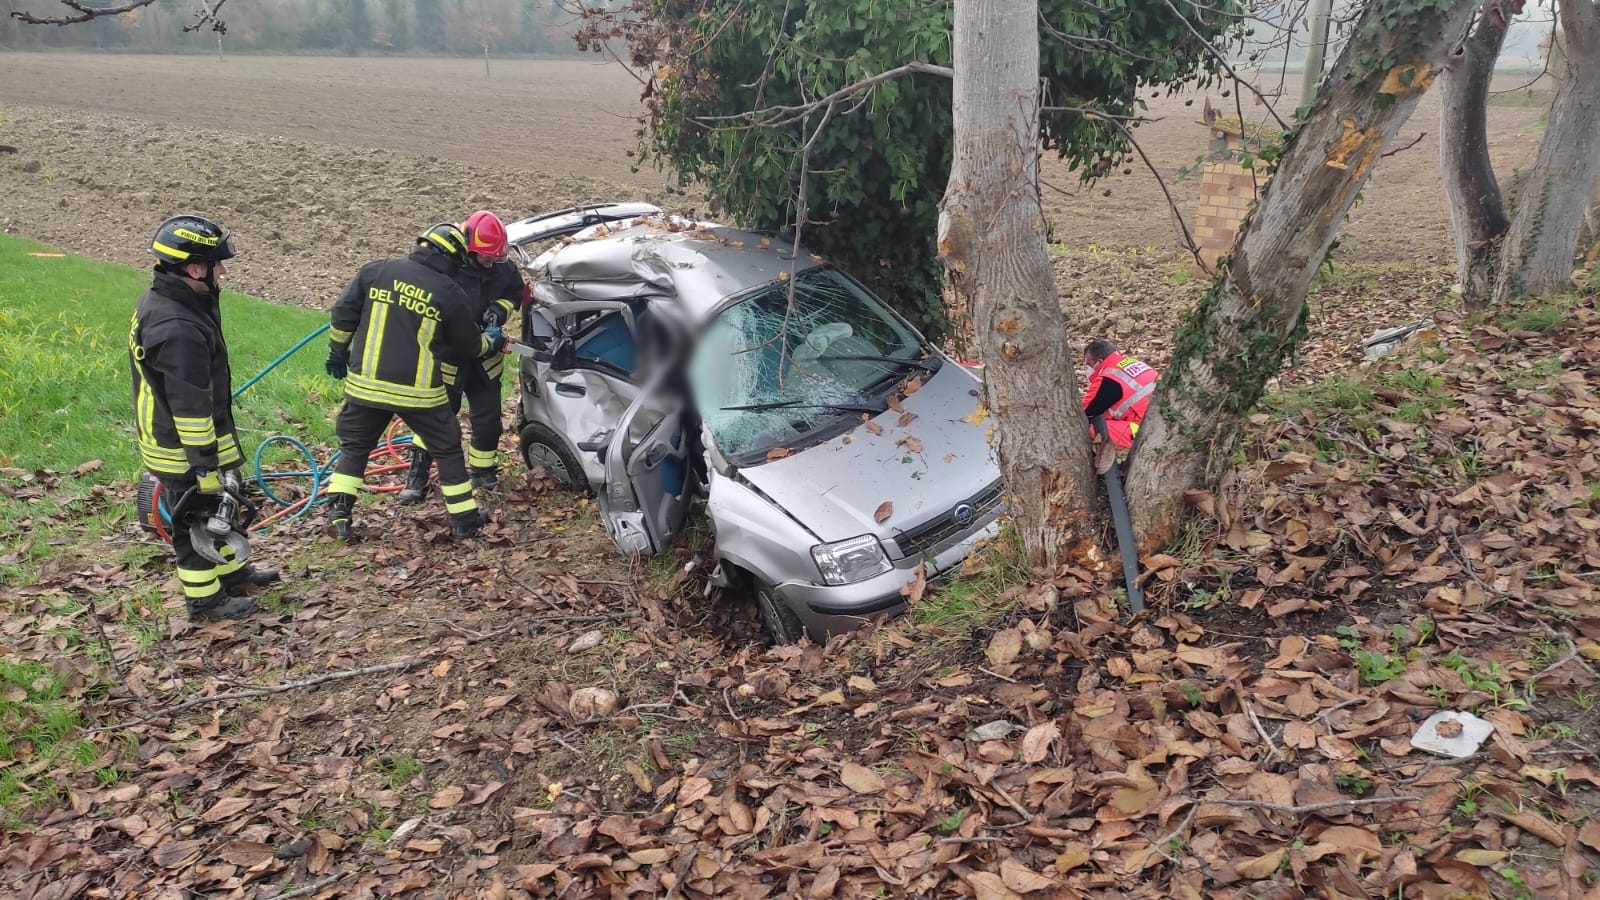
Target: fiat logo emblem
{"x": 964, "y": 514}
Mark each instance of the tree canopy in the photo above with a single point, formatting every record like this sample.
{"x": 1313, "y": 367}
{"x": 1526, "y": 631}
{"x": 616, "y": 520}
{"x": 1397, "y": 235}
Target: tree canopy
{"x": 733, "y": 90}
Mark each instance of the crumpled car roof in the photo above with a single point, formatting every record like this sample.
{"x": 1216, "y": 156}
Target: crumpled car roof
{"x": 698, "y": 263}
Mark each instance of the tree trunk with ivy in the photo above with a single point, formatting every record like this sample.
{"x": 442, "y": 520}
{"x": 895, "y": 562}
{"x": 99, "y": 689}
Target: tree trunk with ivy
{"x": 1551, "y": 205}
{"x": 1477, "y": 209}
{"x": 991, "y": 237}
{"x": 1254, "y": 315}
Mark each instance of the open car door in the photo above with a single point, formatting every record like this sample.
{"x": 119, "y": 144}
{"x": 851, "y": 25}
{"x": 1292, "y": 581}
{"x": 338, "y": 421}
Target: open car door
{"x": 651, "y": 476}
{"x": 650, "y": 480}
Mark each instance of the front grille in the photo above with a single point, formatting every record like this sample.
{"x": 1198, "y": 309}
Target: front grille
{"x": 936, "y": 532}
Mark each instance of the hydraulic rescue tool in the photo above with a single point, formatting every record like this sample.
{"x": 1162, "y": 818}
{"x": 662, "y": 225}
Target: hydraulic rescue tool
{"x": 226, "y": 524}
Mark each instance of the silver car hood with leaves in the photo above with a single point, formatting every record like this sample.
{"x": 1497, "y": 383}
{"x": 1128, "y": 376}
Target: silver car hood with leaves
{"x": 924, "y": 469}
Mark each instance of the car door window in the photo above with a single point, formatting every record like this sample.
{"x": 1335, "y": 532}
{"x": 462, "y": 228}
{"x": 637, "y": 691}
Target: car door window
{"x": 607, "y": 344}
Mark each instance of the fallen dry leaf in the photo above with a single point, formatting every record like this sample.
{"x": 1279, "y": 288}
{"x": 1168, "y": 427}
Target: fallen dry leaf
{"x": 1137, "y": 799}
{"x": 447, "y": 797}
{"x": 1073, "y": 855}
{"x": 860, "y": 779}
{"x": 1004, "y": 646}
{"x": 989, "y": 886}
{"x": 1022, "y": 879}
{"x": 883, "y": 512}
{"x": 1263, "y": 866}
{"x": 1476, "y": 856}
{"x": 1036, "y": 743}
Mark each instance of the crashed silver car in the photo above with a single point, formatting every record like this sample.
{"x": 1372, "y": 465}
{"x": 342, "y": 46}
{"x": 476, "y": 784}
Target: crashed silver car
{"x": 669, "y": 365}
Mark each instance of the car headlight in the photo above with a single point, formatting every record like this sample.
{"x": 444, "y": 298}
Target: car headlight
{"x": 852, "y": 560}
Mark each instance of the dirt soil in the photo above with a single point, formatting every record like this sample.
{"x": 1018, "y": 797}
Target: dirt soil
{"x": 526, "y": 715}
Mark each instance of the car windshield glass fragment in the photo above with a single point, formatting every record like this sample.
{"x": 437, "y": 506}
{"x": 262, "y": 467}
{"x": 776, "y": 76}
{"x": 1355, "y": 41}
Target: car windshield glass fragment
{"x": 765, "y": 374}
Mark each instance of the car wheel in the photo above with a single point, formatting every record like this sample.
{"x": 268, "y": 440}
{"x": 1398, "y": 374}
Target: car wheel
{"x": 782, "y": 625}
{"x": 543, "y": 449}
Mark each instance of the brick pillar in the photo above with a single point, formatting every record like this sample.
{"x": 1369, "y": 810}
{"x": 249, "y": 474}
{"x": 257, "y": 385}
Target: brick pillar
{"x": 1227, "y": 193}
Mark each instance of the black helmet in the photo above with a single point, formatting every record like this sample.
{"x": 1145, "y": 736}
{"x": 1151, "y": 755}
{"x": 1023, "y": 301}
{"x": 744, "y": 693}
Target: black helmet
{"x": 188, "y": 238}
{"x": 448, "y": 239}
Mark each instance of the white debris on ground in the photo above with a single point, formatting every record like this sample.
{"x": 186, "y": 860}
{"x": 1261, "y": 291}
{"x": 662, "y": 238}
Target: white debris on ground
{"x": 1452, "y": 733}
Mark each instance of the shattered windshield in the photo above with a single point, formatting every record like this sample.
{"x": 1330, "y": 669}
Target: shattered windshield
{"x": 765, "y": 374}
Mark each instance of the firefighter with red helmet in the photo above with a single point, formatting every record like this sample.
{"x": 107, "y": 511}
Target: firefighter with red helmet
{"x": 402, "y": 330}
{"x": 1119, "y": 388}
{"x": 183, "y": 407}
{"x": 494, "y": 289}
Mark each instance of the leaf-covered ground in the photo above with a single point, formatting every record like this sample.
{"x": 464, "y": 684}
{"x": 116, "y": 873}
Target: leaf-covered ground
{"x": 524, "y": 716}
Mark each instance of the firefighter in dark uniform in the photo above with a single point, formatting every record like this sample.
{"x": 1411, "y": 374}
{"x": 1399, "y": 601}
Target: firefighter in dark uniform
{"x": 400, "y": 331}
{"x": 183, "y": 405}
{"x": 494, "y": 289}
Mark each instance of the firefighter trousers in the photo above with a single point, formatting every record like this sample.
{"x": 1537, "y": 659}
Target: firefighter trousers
{"x": 482, "y": 394}
{"x": 200, "y": 578}
{"x": 360, "y": 427}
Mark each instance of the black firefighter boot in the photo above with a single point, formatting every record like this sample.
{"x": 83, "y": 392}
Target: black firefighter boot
{"x": 487, "y": 479}
{"x": 241, "y": 581}
{"x": 417, "y": 479}
{"x": 220, "y": 606}
{"x": 465, "y": 525}
{"x": 341, "y": 508}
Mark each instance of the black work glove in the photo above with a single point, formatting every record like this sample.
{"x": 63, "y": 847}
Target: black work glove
{"x": 338, "y": 364}
{"x": 494, "y": 317}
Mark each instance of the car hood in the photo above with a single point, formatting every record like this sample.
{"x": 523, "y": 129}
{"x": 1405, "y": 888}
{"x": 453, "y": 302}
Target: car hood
{"x": 923, "y": 469}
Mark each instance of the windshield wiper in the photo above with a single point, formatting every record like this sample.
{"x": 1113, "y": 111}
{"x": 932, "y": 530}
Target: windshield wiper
{"x": 799, "y": 404}
{"x": 899, "y": 360}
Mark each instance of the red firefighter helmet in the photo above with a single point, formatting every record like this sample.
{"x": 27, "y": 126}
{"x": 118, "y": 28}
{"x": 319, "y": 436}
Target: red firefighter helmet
{"x": 486, "y": 235}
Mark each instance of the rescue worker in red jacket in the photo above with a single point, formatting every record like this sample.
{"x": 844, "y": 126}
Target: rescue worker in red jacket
{"x": 1119, "y": 388}
{"x": 183, "y": 405}
{"x": 494, "y": 289}
{"x": 401, "y": 330}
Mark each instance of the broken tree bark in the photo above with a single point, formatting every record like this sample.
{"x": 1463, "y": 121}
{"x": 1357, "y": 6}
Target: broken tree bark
{"x": 1477, "y": 209}
{"x": 991, "y": 236}
{"x": 1254, "y": 314}
{"x": 1539, "y": 247}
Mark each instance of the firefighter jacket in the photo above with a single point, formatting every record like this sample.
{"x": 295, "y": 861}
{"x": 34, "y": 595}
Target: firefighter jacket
{"x": 406, "y": 327}
{"x": 499, "y": 288}
{"x": 1120, "y": 387}
{"x": 182, "y": 385}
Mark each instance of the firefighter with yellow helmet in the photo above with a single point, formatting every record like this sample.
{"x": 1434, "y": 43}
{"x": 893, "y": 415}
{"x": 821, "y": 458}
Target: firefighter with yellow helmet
{"x": 400, "y": 331}
{"x": 495, "y": 290}
{"x": 183, "y": 410}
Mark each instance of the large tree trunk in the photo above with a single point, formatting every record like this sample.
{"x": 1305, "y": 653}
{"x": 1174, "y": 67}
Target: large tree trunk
{"x": 991, "y": 236}
{"x": 1254, "y": 314}
{"x": 1538, "y": 250}
{"x": 1477, "y": 210}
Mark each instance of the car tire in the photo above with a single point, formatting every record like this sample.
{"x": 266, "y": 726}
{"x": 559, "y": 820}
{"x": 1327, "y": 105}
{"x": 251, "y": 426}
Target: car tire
{"x": 544, "y": 449}
{"x": 780, "y": 622}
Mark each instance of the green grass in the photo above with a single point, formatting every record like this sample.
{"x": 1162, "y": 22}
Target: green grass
{"x": 398, "y": 771}
{"x": 65, "y": 399}
{"x": 35, "y": 719}
{"x": 979, "y": 591}
{"x": 1543, "y": 315}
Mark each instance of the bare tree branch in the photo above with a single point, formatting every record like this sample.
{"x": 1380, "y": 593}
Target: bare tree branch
{"x": 1232, "y": 73}
{"x": 785, "y": 115}
{"x": 207, "y": 14}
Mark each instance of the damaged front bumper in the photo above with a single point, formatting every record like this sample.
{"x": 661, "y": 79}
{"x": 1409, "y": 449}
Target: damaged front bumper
{"x": 827, "y": 610}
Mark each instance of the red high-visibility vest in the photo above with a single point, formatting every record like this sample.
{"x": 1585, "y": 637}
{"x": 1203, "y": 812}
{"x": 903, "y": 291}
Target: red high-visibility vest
{"x": 1138, "y": 382}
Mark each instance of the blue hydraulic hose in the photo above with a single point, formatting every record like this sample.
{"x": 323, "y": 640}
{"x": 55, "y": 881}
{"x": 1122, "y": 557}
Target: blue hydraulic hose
{"x": 319, "y": 475}
{"x": 286, "y": 354}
